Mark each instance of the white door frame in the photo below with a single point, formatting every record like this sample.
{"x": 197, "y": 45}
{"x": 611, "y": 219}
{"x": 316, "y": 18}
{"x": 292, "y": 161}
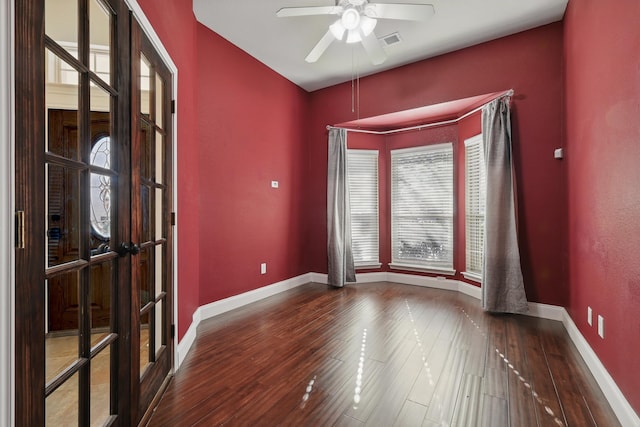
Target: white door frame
{"x": 7, "y": 206}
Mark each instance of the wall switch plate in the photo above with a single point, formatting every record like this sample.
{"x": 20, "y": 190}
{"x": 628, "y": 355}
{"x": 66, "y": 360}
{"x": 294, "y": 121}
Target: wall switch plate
{"x": 263, "y": 268}
{"x": 558, "y": 154}
{"x": 274, "y": 184}
{"x": 601, "y": 326}
{"x": 589, "y": 316}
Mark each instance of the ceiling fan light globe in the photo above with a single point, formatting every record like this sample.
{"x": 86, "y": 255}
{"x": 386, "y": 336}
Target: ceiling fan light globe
{"x": 337, "y": 29}
{"x": 353, "y": 36}
{"x": 350, "y": 19}
{"x": 367, "y": 25}
{"x": 370, "y": 10}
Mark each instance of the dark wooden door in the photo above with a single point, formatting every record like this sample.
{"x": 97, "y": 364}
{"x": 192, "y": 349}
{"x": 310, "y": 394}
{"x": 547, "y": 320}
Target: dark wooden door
{"x": 93, "y": 291}
{"x": 151, "y": 204}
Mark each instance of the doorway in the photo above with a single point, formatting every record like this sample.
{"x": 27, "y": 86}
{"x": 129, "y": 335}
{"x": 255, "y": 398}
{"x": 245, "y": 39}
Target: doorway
{"x": 93, "y": 260}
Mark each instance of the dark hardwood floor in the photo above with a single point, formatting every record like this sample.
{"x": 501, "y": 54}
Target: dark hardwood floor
{"x": 380, "y": 354}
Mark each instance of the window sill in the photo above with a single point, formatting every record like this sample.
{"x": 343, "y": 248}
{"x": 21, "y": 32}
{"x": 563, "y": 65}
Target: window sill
{"x": 368, "y": 266}
{"x": 475, "y": 277}
{"x": 422, "y": 269}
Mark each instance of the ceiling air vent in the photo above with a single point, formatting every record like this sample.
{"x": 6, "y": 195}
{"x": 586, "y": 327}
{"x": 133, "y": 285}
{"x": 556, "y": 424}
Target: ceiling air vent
{"x": 391, "y": 39}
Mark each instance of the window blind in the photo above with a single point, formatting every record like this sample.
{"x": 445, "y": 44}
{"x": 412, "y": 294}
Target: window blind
{"x": 362, "y": 167}
{"x": 475, "y": 189}
{"x": 422, "y": 206}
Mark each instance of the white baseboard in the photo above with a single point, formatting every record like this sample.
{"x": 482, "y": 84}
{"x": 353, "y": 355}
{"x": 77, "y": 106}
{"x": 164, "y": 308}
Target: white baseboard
{"x": 546, "y": 311}
{"x": 320, "y": 278}
{"x": 222, "y": 306}
{"x": 425, "y": 281}
{"x": 227, "y": 304}
{"x": 623, "y": 410}
{"x": 187, "y": 340}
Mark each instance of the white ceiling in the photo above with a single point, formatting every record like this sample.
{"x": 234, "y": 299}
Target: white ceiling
{"x": 283, "y": 43}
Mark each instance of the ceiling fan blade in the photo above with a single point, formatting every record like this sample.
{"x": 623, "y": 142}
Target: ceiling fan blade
{"x": 373, "y": 48}
{"x": 319, "y": 48}
{"x": 308, "y": 11}
{"x": 407, "y": 12}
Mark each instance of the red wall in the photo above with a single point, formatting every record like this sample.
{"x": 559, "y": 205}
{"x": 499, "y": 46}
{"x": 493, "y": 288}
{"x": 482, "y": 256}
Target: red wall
{"x": 240, "y": 126}
{"x": 165, "y": 16}
{"x": 602, "y": 51}
{"x": 531, "y": 64}
{"x": 252, "y": 127}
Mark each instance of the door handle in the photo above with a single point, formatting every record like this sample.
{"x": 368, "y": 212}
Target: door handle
{"x": 128, "y": 248}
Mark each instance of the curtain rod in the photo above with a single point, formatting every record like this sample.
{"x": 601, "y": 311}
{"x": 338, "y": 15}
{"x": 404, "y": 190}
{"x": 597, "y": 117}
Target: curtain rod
{"x": 426, "y": 125}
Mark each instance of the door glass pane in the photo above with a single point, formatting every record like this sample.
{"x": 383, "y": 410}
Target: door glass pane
{"x": 100, "y": 117}
{"x": 159, "y": 270}
{"x": 61, "y": 23}
{"x": 100, "y": 213}
{"x": 145, "y": 206}
{"x": 158, "y": 221}
{"x": 146, "y": 275}
{"x": 146, "y": 151}
{"x": 158, "y": 326}
{"x": 62, "y": 338}
{"x": 145, "y": 86}
{"x": 159, "y": 157}
{"x": 61, "y": 108}
{"x": 144, "y": 342}
{"x": 100, "y": 297}
{"x": 159, "y": 93}
{"x": 61, "y": 407}
{"x": 101, "y": 191}
{"x": 100, "y": 39}
{"x": 63, "y": 215}
{"x": 100, "y": 387}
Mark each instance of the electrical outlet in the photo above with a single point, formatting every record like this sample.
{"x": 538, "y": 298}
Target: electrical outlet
{"x": 263, "y": 268}
{"x": 601, "y": 326}
{"x": 589, "y": 316}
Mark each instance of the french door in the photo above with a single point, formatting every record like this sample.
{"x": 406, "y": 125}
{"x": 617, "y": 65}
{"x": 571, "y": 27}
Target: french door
{"x": 151, "y": 199}
{"x": 93, "y": 200}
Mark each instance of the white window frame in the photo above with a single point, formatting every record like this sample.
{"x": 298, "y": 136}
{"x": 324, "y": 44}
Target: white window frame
{"x": 358, "y": 203}
{"x": 411, "y": 265}
{"x": 475, "y": 198}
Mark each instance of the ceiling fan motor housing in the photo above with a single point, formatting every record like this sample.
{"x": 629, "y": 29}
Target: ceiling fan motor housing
{"x": 350, "y": 19}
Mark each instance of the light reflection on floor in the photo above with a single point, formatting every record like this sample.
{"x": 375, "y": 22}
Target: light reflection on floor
{"x": 363, "y": 352}
{"x": 522, "y": 380}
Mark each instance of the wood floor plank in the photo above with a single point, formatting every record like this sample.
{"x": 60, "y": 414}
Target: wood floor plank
{"x": 522, "y": 406}
{"x": 445, "y": 395}
{"x": 470, "y": 402}
{"x": 495, "y": 412}
{"x": 539, "y": 376}
{"x": 430, "y": 357}
{"x": 425, "y": 385}
{"x": 411, "y": 414}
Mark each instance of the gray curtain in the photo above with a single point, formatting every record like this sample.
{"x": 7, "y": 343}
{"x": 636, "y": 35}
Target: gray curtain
{"x": 502, "y": 284}
{"x": 340, "y": 256}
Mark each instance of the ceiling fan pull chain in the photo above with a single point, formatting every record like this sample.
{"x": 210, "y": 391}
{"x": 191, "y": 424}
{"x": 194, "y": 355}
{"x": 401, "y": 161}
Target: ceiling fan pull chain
{"x": 358, "y": 88}
{"x": 352, "y": 81}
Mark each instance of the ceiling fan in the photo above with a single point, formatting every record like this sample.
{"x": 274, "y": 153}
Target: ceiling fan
{"x": 356, "y": 20}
